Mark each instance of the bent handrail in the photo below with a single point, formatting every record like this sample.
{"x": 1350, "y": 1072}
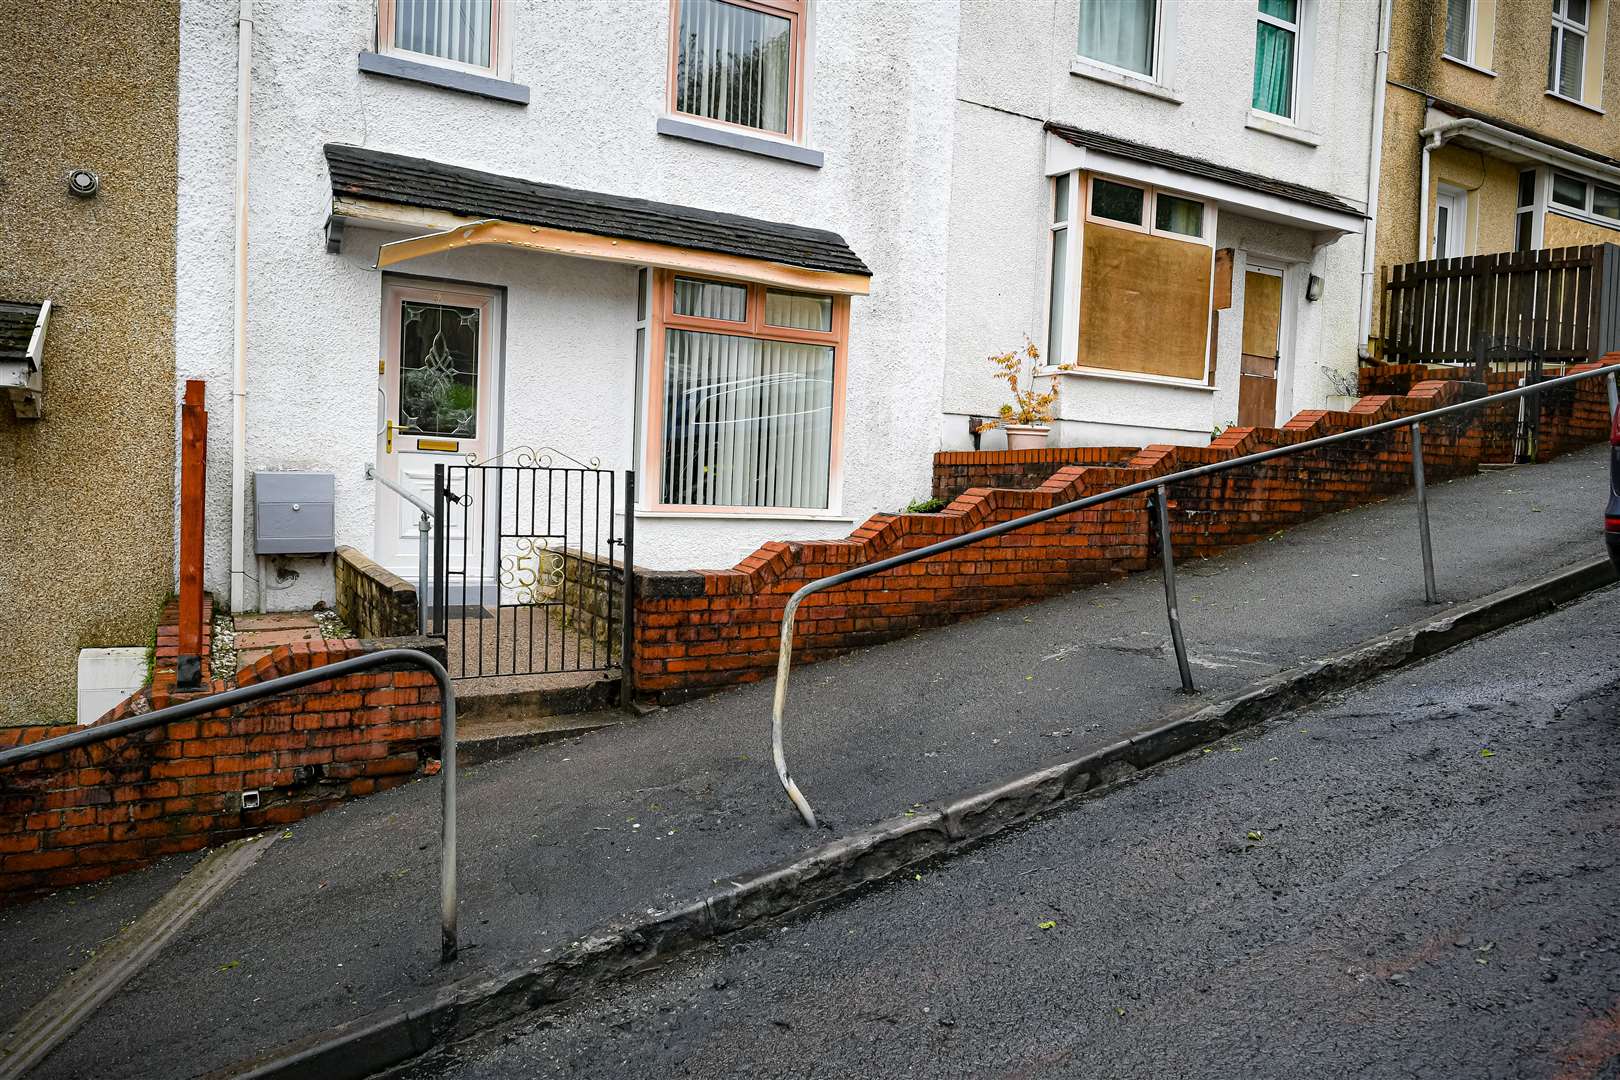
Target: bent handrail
{"x": 130, "y": 725}
{"x": 785, "y": 653}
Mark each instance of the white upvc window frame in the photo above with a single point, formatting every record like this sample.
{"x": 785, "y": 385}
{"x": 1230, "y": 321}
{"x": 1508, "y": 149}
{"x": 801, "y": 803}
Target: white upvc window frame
{"x": 1562, "y": 26}
{"x": 1155, "y": 58}
{"x": 1454, "y": 200}
{"x": 1470, "y": 36}
{"x": 500, "y": 56}
{"x": 1297, "y": 28}
{"x": 1585, "y": 211}
{"x": 1067, "y": 354}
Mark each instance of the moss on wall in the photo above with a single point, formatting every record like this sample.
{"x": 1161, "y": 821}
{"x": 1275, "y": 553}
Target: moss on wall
{"x": 86, "y": 534}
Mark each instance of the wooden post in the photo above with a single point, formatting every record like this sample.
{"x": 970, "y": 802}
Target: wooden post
{"x": 193, "y": 468}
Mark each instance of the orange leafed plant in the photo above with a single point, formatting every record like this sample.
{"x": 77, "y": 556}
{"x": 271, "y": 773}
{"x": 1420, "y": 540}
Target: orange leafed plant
{"x": 1028, "y": 407}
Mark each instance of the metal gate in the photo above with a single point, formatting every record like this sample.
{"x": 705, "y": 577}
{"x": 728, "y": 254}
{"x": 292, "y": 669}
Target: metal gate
{"x": 529, "y": 561}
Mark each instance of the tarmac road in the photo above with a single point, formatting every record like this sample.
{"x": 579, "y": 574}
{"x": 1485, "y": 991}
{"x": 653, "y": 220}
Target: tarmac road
{"x": 1418, "y": 879}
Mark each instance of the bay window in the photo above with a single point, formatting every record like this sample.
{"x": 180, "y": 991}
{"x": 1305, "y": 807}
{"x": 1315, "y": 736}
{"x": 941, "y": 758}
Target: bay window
{"x": 739, "y": 62}
{"x": 1276, "y": 49}
{"x": 747, "y": 392}
{"x": 1144, "y": 260}
{"x": 462, "y": 34}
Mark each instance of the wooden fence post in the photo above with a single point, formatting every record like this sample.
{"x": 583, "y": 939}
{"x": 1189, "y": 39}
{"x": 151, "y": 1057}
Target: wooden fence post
{"x": 193, "y": 468}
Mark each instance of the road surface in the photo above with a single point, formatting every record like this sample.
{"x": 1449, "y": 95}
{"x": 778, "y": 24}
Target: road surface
{"x": 1417, "y": 879}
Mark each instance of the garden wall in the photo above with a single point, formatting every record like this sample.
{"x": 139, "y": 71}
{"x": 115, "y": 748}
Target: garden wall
{"x": 700, "y": 630}
{"x": 372, "y": 600}
{"x": 104, "y": 809}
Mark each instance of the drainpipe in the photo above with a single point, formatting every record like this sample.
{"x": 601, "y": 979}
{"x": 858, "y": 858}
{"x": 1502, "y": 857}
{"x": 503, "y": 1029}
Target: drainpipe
{"x": 1433, "y": 139}
{"x": 1375, "y": 164}
{"x": 244, "y": 86}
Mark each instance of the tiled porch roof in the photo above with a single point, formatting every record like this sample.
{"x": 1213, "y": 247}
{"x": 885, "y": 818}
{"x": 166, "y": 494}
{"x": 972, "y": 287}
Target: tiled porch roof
{"x": 17, "y": 321}
{"x": 393, "y": 178}
{"x": 1108, "y": 144}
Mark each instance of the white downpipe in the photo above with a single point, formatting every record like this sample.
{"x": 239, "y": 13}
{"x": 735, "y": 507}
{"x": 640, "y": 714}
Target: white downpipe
{"x": 1432, "y": 141}
{"x": 1375, "y": 165}
{"x": 244, "y": 86}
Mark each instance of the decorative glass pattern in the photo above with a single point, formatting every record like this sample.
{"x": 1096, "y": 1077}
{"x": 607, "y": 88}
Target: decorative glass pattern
{"x": 438, "y": 370}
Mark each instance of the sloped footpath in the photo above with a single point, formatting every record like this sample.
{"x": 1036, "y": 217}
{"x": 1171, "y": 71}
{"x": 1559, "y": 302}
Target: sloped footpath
{"x": 338, "y": 920}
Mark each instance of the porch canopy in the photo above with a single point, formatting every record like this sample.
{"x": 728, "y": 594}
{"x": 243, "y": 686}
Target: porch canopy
{"x": 466, "y": 207}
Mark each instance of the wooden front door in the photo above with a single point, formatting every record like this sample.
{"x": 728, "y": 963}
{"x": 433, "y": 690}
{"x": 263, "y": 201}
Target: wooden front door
{"x": 1262, "y": 347}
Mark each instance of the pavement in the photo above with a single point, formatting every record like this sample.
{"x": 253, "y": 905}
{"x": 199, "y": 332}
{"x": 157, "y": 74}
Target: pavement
{"x": 1417, "y": 879}
{"x": 339, "y": 919}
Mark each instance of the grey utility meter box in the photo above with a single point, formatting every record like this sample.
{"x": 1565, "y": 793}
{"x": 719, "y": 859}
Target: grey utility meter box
{"x": 292, "y": 512}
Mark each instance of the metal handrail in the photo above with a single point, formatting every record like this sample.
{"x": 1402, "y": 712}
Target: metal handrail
{"x": 130, "y": 725}
{"x": 1157, "y": 487}
{"x": 424, "y": 527}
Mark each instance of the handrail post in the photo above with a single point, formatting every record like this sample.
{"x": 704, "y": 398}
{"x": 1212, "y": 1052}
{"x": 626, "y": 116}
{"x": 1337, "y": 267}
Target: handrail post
{"x": 627, "y": 625}
{"x": 447, "y": 818}
{"x": 1167, "y": 561}
{"x": 1430, "y": 593}
{"x": 1614, "y": 395}
{"x": 424, "y": 592}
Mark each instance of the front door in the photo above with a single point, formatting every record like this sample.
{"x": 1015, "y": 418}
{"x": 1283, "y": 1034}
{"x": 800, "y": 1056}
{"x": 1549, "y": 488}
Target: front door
{"x": 1262, "y": 346}
{"x": 437, "y": 389}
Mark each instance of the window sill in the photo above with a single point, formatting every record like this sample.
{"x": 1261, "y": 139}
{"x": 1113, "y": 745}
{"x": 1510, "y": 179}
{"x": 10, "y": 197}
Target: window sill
{"x": 1140, "y": 84}
{"x": 1579, "y": 104}
{"x": 1132, "y": 377}
{"x": 1469, "y": 64}
{"x": 1282, "y": 129}
{"x": 397, "y": 67}
{"x": 737, "y": 139}
{"x": 742, "y": 515}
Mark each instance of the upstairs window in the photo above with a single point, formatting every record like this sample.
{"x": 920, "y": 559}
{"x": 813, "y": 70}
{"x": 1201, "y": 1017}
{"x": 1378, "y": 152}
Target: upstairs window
{"x": 739, "y": 62}
{"x": 461, "y": 34}
{"x": 1460, "y": 30}
{"x": 1566, "y": 49}
{"x": 1123, "y": 34}
{"x": 1276, "y": 48}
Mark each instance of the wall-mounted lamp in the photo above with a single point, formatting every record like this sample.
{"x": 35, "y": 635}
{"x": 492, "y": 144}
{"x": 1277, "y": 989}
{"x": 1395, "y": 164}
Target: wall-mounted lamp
{"x": 1313, "y": 289}
{"x": 83, "y": 183}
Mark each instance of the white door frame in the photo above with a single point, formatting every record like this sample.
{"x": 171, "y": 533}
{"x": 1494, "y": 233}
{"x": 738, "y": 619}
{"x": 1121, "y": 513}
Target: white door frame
{"x": 1454, "y": 200}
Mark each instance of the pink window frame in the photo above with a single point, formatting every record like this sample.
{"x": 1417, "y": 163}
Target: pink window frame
{"x": 794, "y": 12}
{"x": 386, "y": 10}
{"x": 663, "y": 318}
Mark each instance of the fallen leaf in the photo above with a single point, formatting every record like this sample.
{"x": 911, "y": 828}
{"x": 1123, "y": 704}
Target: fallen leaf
{"x": 1487, "y": 753}
{"x": 1047, "y": 925}
{"x": 1255, "y": 836}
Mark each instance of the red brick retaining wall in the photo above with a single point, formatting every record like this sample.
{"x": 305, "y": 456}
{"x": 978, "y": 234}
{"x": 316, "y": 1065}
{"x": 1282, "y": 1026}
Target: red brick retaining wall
{"x": 114, "y": 806}
{"x": 704, "y": 629}
{"x": 955, "y": 472}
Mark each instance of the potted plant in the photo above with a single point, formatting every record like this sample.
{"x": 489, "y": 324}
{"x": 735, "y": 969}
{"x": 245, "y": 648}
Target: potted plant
{"x": 1027, "y": 419}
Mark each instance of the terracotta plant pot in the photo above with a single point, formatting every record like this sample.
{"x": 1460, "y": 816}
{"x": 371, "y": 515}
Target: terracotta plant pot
{"x": 1026, "y": 436}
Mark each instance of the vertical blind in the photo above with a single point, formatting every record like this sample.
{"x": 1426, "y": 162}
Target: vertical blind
{"x": 734, "y": 64}
{"x": 455, "y": 30}
{"x": 1274, "y": 58}
{"x": 748, "y": 422}
{"x": 1118, "y": 32}
{"x": 1459, "y": 34}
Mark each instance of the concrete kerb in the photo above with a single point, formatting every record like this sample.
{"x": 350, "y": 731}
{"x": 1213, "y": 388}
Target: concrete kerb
{"x": 371, "y": 1045}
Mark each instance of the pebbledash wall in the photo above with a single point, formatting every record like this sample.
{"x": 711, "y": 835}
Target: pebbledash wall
{"x": 86, "y": 492}
{"x": 701, "y": 630}
{"x": 880, "y": 96}
{"x": 1014, "y": 72}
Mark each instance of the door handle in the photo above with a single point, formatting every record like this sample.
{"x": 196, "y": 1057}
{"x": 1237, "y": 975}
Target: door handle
{"x": 389, "y": 441}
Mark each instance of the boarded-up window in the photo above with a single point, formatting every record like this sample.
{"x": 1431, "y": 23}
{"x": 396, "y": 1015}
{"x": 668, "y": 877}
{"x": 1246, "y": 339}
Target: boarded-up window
{"x": 1144, "y": 302}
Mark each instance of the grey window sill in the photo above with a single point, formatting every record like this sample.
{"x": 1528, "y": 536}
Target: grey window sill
{"x": 739, "y": 140}
{"x": 397, "y": 67}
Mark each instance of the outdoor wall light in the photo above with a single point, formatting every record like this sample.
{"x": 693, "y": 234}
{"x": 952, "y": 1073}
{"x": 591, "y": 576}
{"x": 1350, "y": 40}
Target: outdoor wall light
{"x": 1313, "y": 289}
{"x": 83, "y": 183}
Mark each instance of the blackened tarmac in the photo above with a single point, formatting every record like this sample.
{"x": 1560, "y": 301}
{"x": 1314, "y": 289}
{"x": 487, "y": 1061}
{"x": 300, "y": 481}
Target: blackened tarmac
{"x": 1421, "y": 878}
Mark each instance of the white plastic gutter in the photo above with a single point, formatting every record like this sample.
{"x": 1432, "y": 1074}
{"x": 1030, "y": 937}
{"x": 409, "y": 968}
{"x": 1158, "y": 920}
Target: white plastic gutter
{"x": 1375, "y": 165}
{"x": 244, "y": 86}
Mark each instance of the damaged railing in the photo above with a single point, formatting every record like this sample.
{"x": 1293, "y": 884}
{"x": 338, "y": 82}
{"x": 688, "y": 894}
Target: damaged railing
{"x": 1157, "y": 489}
{"x": 185, "y": 710}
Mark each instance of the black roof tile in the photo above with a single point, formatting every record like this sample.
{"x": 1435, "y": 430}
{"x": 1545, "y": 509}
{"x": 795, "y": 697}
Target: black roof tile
{"x": 1108, "y": 144}
{"x": 408, "y": 181}
{"x": 17, "y": 319}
